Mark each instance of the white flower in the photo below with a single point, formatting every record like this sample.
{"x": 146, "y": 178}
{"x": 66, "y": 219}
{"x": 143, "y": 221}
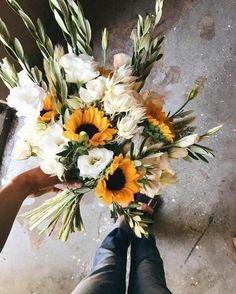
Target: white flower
{"x": 138, "y": 113}
{"x": 127, "y": 127}
{"x": 52, "y": 167}
{"x": 94, "y": 90}
{"x": 187, "y": 141}
{"x": 176, "y": 152}
{"x": 79, "y": 69}
{"x": 45, "y": 140}
{"x": 94, "y": 163}
{"x": 118, "y": 98}
{"x": 154, "y": 186}
{"x": 121, "y": 59}
{"x": 52, "y": 140}
{"x": 165, "y": 164}
{"x": 123, "y": 75}
{"x": 24, "y": 79}
{"x": 31, "y": 130}
{"x": 22, "y": 150}
{"x": 27, "y": 99}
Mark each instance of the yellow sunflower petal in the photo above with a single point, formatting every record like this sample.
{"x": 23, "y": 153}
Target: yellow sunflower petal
{"x": 125, "y": 193}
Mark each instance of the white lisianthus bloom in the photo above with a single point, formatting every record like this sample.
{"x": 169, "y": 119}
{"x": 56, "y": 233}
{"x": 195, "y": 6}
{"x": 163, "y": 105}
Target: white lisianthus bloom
{"x": 22, "y": 150}
{"x": 53, "y": 167}
{"x": 138, "y": 113}
{"x": 79, "y": 69}
{"x": 52, "y": 140}
{"x": 127, "y": 127}
{"x": 27, "y": 100}
{"x": 45, "y": 140}
{"x": 32, "y": 130}
{"x": 187, "y": 141}
{"x": 123, "y": 75}
{"x": 118, "y": 98}
{"x": 121, "y": 59}
{"x": 94, "y": 90}
{"x": 24, "y": 79}
{"x": 177, "y": 152}
{"x": 94, "y": 163}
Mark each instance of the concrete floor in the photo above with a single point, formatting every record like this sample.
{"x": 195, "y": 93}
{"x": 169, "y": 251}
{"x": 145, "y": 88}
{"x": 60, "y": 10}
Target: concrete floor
{"x": 199, "y": 48}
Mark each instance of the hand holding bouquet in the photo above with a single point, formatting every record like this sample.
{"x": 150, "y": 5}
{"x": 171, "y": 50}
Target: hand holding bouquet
{"x": 93, "y": 124}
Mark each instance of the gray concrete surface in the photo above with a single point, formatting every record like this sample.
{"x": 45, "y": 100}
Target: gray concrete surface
{"x": 199, "y": 48}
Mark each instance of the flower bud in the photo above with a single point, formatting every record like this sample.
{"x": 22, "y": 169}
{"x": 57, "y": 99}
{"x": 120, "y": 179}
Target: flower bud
{"x": 176, "y": 152}
{"x": 187, "y": 141}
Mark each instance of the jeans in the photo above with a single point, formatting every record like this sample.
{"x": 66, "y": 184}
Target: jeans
{"x": 109, "y": 269}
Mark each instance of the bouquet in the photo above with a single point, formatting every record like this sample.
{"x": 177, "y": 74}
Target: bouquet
{"x": 93, "y": 124}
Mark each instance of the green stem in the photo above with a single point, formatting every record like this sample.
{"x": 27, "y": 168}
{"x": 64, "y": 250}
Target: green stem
{"x": 173, "y": 115}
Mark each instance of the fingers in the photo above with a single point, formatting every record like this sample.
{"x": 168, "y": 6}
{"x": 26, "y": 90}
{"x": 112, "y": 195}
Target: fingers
{"x": 234, "y": 249}
{"x": 145, "y": 208}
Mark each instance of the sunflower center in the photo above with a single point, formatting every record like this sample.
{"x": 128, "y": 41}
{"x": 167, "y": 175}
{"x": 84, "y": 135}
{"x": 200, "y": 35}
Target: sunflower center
{"x": 42, "y": 112}
{"x": 90, "y": 129}
{"x": 116, "y": 181}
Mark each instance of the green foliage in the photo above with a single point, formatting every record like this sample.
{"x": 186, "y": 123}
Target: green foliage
{"x": 8, "y": 73}
{"x": 146, "y": 45}
{"x": 75, "y": 27}
{"x": 13, "y": 47}
{"x": 37, "y": 31}
{"x": 70, "y": 155}
{"x": 137, "y": 220}
{"x": 198, "y": 152}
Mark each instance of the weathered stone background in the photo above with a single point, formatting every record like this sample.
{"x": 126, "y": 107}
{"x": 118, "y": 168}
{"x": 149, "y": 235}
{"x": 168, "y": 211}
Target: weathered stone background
{"x": 199, "y": 48}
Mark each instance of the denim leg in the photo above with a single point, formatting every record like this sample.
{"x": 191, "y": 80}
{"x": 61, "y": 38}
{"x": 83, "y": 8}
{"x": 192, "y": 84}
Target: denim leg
{"x": 147, "y": 273}
{"x": 109, "y": 268}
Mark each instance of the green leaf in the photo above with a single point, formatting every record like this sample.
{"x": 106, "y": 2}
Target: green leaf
{"x": 137, "y": 231}
{"x": 132, "y": 151}
{"x": 202, "y": 158}
{"x": 19, "y": 49}
{"x": 60, "y": 21}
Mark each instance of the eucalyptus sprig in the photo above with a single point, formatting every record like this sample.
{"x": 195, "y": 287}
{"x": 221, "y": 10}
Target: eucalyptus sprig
{"x": 43, "y": 41}
{"x": 75, "y": 27}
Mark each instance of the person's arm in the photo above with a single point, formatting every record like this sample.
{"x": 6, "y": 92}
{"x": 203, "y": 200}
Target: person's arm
{"x": 12, "y": 195}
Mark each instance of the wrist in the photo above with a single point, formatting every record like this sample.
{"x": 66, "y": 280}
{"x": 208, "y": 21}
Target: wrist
{"x": 22, "y": 182}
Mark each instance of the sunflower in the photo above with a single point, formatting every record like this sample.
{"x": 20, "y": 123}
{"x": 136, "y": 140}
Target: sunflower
{"x": 91, "y": 121}
{"x": 48, "y": 112}
{"x": 119, "y": 182}
{"x": 158, "y": 125}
